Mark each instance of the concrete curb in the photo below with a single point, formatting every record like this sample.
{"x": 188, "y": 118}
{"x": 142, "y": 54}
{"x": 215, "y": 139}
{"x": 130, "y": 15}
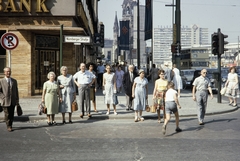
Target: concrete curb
{"x": 25, "y": 118}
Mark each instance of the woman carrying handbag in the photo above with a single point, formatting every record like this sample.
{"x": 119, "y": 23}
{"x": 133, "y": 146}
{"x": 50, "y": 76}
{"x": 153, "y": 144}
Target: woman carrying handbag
{"x": 67, "y": 88}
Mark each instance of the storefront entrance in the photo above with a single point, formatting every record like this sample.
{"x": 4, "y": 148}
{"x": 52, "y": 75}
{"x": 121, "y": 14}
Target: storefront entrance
{"x": 47, "y": 61}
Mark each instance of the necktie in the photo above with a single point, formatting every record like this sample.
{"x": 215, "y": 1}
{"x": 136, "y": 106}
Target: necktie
{"x": 9, "y": 87}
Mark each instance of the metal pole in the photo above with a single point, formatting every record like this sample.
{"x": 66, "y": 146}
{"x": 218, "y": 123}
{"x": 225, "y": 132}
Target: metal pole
{"x": 178, "y": 26}
{"x": 61, "y": 45}
{"x": 219, "y": 98}
{"x": 9, "y": 58}
{"x": 138, "y": 36}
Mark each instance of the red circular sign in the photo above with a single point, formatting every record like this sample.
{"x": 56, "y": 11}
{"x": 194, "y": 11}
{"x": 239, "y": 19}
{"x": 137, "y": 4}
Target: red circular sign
{"x": 9, "y": 41}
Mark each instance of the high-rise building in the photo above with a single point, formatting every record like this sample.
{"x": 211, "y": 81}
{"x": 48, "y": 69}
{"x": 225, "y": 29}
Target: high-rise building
{"x": 193, "y": 36}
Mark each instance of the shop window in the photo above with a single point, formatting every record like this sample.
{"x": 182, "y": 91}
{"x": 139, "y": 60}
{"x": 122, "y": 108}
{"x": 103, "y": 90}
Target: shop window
{"x": 47, "y": 42}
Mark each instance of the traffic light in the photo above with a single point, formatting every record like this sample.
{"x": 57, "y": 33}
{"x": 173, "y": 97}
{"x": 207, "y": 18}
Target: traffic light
{"x": 97, "y": 38}
{"x": 102, "y": 35}
{"x": 215, "y": 43}
{"x": 222, "y": 43}
{"x": 176, "y": 48}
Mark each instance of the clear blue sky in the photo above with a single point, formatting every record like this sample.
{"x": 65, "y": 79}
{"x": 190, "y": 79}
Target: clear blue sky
{"x": 211, "y": 14}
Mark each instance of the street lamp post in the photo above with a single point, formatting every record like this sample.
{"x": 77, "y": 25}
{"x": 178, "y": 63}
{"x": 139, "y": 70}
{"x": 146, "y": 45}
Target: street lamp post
{"x": 138, "y": 36}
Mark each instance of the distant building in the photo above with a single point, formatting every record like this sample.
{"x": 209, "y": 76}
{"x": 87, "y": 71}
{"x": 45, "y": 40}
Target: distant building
{"x": 162, "y": 40}
{"x": 107, "y": 51}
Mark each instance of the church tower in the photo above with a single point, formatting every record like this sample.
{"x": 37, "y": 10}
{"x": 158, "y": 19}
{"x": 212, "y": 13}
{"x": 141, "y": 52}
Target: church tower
{"x": 115, "y": 39}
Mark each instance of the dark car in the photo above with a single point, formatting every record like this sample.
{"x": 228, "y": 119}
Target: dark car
{"x": 188, "y": 74}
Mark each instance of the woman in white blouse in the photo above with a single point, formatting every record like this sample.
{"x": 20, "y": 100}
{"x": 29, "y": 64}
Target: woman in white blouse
{"x": 232, "y": 86}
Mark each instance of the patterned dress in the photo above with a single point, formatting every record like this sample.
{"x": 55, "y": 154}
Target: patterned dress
{"x": 232, "y": 88}
{"x": 109, "y": 88}
{"x": 51, "y": 99}
{"x": 67, "y": 93}
{"x": 140, "y": 94}
{"x": 160, "y": 93}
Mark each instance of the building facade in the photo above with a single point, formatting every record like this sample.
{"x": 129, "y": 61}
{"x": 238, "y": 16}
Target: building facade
{"x": 37, "y": 24}
{"x": 193, "y": 36}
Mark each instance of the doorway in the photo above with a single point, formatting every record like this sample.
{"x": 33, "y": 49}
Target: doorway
{"x": 47, "y": 61}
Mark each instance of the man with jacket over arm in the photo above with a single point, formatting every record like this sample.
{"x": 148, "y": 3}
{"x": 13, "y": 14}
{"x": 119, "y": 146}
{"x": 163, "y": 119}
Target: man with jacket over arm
{"x": 128, "y": 80}
{"x": 8, "y": 96}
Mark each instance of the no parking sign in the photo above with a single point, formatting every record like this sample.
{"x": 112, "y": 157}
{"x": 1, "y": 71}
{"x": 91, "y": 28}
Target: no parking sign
{"x": 9, "y": 41}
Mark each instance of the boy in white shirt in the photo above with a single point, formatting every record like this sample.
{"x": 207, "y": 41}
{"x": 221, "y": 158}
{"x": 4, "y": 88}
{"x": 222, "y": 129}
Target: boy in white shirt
{"x": 171, "y": 105}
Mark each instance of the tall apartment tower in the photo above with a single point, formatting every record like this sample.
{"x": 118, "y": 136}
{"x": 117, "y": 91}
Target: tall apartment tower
{"x": 193, "y": 36}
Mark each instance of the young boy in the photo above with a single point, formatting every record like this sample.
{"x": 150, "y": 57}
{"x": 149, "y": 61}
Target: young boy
{"x": 171, "y": 105}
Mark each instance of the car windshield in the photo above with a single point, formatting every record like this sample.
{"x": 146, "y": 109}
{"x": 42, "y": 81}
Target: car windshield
{"x": 189, "y": 72}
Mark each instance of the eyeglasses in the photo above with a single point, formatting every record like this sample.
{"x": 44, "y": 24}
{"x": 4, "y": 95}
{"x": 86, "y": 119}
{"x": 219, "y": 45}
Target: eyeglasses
{"x": 204, "y": 72}
{"x": 161, "y": 74}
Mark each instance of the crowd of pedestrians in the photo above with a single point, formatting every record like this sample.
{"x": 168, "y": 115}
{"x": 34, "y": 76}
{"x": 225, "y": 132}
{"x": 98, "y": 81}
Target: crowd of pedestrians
{"x": 59, "y": 93}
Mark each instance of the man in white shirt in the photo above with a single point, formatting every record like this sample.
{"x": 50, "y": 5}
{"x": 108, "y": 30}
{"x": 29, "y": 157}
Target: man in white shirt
{"x": 84, "y": 80}
{"x": 100, "y": 71}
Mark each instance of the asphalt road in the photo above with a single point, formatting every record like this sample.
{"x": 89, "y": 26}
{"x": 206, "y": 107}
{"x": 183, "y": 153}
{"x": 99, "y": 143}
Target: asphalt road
{"x": 123, "y": 140}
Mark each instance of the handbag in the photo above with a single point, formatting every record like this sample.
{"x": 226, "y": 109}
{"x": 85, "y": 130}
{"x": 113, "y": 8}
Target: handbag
{"x": 153, "y": 109}
{"x": 19, "y": 110}
{"x": 223, "y": 91}
{"x": 42, "y": 109}
{"x": 1, "y": 109}
{"x": 115, "y": 99}
{"x": 74, "y": 106}
{"x": 147, "y": 107}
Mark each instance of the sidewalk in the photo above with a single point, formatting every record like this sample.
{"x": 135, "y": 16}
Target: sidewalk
{"x": 30, "y": 108}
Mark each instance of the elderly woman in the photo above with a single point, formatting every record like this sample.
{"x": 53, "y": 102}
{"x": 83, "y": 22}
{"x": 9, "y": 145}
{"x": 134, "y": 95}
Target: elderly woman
{"x": 232, "y": 86}
{"x": 159, "y": 91}
{"x": 50, "y": 98}
{"x": 67, "y": 86}
{"x": 139, "y": 93}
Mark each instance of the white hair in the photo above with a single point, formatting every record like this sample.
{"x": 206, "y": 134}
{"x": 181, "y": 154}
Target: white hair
{"x": 51, "y": 73}
{"x": 62, "y": 68}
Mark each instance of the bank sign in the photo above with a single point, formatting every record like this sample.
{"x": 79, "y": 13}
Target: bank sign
{"x": 37, "y": 7}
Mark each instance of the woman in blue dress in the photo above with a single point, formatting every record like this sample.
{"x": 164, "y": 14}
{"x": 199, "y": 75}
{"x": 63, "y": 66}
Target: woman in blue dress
{"x": 140, "y": 95}
{"x": 68, "y": 93}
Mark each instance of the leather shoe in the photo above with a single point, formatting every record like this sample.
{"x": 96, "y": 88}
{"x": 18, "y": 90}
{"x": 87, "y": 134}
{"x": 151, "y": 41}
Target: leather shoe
{"x": 131, "y": 109}
{"x": 81, "y": 115}
{"x": 201, "y": 123}
{"x": 89, "y": 115}
{"x": 127, "y": 109}
{"x": 9, "y": 129}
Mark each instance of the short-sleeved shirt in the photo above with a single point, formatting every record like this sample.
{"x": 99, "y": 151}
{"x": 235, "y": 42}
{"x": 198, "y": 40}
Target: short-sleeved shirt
{"x": 84, "y": 77}
{"x": 170, "y": 94}
{"x": 100, "y": 69}
{"x": 202, "y": 83}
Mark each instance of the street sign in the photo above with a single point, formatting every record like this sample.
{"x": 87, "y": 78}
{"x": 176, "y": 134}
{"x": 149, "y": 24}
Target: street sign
{"x": 9, "y": 41}
{"x": 76, "y": 39}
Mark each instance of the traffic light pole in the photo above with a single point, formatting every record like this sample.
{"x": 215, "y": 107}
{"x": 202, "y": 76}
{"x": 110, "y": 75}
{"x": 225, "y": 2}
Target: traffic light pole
{"x": 178, "y": 26}
{"x": 219, "y": 98}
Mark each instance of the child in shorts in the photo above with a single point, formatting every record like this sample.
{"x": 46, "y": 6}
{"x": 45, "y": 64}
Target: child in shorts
{"x": 171, "y": 105}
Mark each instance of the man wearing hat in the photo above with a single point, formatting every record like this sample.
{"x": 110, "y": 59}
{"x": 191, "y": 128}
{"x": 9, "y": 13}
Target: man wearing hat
{"x": 128, "y": 80}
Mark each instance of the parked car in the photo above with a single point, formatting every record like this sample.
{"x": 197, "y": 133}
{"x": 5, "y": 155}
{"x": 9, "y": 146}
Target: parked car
{"x": 188, "y": 74}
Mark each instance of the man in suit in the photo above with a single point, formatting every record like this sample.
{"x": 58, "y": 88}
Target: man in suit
{"x": 8, "y": 96}
{"x": 128, "y": 80}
